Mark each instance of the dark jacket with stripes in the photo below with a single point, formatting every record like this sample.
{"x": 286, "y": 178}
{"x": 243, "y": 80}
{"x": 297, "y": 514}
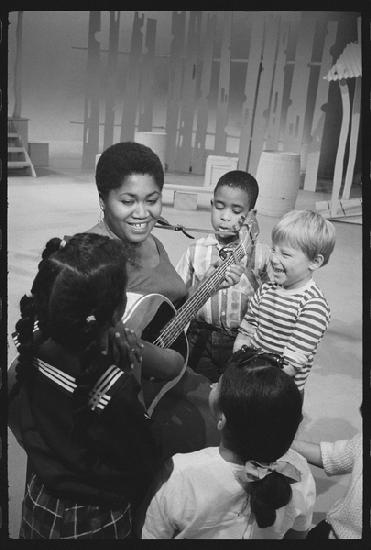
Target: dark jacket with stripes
{"x": 111, "y": 460}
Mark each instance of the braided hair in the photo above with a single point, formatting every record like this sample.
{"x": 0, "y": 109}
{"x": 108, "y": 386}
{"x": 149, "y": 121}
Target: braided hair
{"x": 263, "y": 409}
{"x": 78, "y": 287}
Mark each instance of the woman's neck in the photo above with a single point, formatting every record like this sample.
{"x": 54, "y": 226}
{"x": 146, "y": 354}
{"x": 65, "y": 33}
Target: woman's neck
{"x": 109, "y": 231}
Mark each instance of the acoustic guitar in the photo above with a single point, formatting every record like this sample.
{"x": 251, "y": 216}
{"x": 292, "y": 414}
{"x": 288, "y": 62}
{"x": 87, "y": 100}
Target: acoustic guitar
{"x": 154, "y": 318}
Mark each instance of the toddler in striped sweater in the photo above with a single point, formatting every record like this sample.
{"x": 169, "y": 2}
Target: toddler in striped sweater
{"x": 290, "y": 315}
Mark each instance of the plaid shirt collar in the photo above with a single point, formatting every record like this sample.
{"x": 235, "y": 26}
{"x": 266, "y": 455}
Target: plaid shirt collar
{"x": 211, "y": 240}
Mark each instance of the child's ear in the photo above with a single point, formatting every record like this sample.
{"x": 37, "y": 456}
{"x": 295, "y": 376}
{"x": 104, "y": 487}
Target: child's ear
{"x": 212, "y": 202}
{"x": 101, "y": 202}
{"x": 221, "y": 422}
{"x": 316, "y": 262}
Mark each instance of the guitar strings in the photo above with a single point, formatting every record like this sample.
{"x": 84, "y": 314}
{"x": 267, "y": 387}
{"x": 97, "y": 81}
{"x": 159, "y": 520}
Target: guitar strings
{"x": 175, "y": 326}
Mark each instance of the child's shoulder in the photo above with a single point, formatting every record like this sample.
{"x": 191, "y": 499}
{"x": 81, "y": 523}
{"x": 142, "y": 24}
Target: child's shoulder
{"x": 184, "y": 461}
{"x": 208, "y": 240}
{"x": 297, "y": 460}
{"x": 314, "y": 292}
{"x": 268, "y": 285}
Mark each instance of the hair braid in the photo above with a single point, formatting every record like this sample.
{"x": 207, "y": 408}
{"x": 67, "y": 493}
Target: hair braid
{"x": 24, "y": 327}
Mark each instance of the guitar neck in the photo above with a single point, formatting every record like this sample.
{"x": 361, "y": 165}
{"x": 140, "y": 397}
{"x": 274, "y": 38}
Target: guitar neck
{"x": 176, "y": 326}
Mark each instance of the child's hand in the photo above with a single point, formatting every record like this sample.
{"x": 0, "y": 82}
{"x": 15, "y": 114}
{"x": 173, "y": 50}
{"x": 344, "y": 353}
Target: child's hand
{"x": 211, "y": 270}
{"x": 122, "y": 345}
{"x": 232, "y": 275}
{"x": 241, "y": 340}
{"x": 289, "y": 369}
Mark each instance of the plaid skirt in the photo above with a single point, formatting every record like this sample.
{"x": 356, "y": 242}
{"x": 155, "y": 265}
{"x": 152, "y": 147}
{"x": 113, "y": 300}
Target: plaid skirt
{"x": 47, "y": 517}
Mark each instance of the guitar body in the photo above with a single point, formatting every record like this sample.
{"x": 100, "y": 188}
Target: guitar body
{"x": 146, "y": 316}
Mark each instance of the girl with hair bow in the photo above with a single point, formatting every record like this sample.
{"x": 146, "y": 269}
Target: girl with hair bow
{"x": 253, "y": 486}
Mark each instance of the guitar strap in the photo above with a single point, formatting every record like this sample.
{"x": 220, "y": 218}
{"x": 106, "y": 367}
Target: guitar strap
{"x": 164, "y": 224}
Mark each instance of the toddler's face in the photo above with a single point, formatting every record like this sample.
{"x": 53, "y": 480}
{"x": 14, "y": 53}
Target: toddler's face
{"x": 291, "y": 266}
{"x": 228, "y": 209}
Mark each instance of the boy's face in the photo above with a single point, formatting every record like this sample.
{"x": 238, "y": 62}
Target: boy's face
{"x": 291, "y": 266}
{"x": 227, "y": 207}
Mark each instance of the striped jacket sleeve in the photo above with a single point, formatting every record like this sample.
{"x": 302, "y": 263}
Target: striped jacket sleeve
{"x": 309, "y": 329}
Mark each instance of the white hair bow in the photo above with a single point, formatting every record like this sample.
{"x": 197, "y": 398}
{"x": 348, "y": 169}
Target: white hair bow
{"x": 255, "y": 471}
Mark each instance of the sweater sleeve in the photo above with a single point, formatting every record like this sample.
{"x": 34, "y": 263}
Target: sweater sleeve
{"x": 309, "y": 329}
{"x": 338, "y": 456}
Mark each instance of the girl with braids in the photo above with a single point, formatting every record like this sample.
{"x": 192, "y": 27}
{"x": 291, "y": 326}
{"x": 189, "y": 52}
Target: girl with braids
{"x": 80, "y": 415}
{"x": 253, "y": 486}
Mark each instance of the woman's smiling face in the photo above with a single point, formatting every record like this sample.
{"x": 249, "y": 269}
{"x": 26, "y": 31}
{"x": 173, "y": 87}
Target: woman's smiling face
{"x": 131, "y": 210}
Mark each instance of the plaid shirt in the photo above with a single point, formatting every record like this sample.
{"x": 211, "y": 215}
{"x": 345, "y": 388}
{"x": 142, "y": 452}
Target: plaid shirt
{"x": 47, "y": 517}
{"x": 225, "y": 308}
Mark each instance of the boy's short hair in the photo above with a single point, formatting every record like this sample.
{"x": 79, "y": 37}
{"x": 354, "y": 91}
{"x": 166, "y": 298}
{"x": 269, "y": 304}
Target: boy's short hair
{"x": 307, "y": 230}
{"x": 240, "y": 180}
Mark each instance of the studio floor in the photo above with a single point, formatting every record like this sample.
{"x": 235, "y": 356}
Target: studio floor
{"x": 62, "y": 202}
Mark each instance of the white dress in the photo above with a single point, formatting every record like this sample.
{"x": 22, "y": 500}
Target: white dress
{"x": 202, "y": 499}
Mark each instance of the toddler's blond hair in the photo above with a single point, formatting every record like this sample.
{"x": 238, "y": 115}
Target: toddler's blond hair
{"x": 307, "y": 230}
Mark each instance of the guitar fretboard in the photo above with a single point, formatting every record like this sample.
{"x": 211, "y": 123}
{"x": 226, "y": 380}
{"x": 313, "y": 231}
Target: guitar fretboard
{"x": 175, "y": 327}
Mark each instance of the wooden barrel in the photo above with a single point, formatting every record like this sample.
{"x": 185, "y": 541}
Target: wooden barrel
{"x": 155, "y": 140}
{"x": 278, "y": 177}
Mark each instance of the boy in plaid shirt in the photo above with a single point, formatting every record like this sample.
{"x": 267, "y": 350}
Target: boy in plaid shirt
{"x": 212, "y": 333}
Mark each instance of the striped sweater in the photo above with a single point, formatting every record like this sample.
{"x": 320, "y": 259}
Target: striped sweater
{"x": 288, "y": 322}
